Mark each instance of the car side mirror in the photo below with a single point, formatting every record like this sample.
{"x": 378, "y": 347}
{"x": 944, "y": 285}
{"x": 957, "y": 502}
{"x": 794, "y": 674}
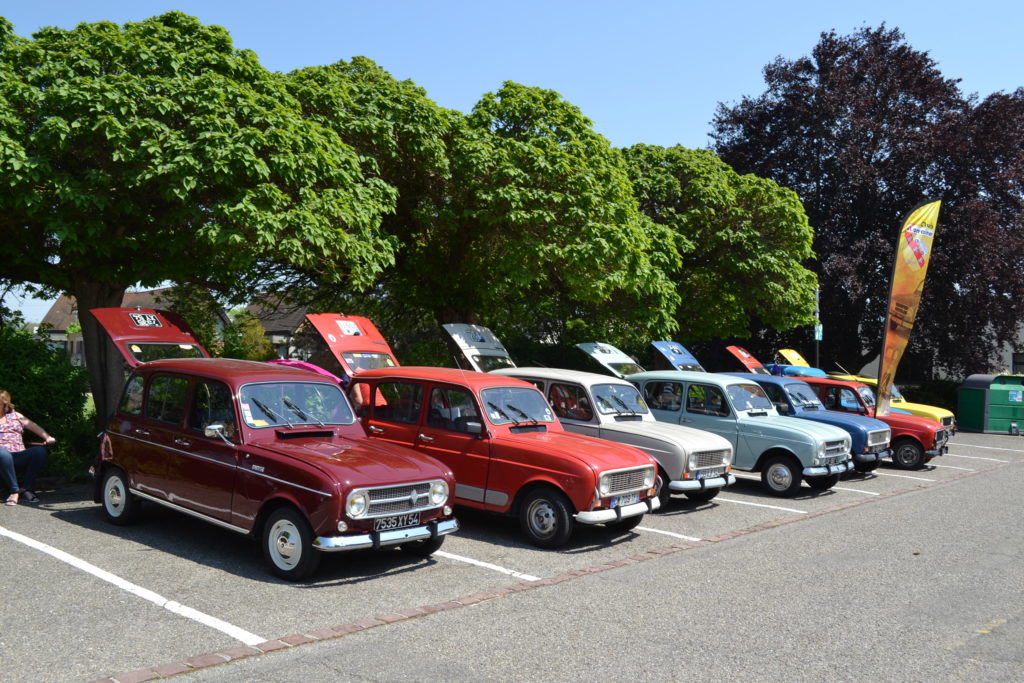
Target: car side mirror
{"x": 216, "y": 429}
{"x": 475, "y": 428}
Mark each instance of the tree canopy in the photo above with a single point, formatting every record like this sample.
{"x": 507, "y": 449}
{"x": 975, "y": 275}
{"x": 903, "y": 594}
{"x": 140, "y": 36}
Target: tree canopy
{"x": 864, "y": 130}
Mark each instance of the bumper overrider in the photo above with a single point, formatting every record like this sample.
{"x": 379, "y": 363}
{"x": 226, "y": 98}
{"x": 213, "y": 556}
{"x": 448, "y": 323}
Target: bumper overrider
{"x": 377, "y": 539}
{"x": 942, "y": 450}
{"x": 701, "y": 484}
{"x": 868, "y": 458}
{"x": 824, "y": 471}
{"x": 615, "y": 514}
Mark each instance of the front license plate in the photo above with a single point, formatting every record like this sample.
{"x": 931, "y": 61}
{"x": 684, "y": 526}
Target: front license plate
{"x": 709, "y": 474}
{"x": 396, "y": 522}
{"x": 624, "y": 500}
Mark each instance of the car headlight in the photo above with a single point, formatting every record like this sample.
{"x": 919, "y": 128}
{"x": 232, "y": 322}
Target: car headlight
{"x": 358, "y": 503}
{"x": 604, "y": 486}
{"x": 649, "y": 479}
{"x": 821, "y": 449}
{"x": 438, "y": 492}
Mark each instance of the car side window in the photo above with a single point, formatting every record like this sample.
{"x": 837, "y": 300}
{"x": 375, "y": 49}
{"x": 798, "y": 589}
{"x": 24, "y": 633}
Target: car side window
{"x": 131, "y": 401}
{"x": 452, "y": 409}
{"x": 570, "y": 401}
{"x": 400, "y": 402}
{"x": 705, "y": 400}
{"x": 165, "y": 401}
{"x": 848, "y": 401}
{"x": 778, "y": 397}
{"x": 212, "y": 404}
{"x": 664, "y": 395}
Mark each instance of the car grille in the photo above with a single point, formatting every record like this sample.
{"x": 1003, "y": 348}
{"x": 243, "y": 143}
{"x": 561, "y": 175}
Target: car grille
{"x": 879, "y": 437}
{"x": 626, "y": 481}
{"x": 702, "y": 459}
{"x": 395, "y": 500}
{"x": 835, "y": 447}
{"x": 941, "y": 435}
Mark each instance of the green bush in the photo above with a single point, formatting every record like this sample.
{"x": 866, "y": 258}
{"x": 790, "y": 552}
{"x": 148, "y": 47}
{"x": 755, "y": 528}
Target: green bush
{"x": 51, "y": 392}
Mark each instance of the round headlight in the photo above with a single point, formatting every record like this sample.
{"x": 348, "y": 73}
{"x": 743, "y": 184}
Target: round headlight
{"x": 358, "y": 502}
{"x": 438, "y": 492}
{"x": 649, "y": 479}
{"x": 604, "y": 487}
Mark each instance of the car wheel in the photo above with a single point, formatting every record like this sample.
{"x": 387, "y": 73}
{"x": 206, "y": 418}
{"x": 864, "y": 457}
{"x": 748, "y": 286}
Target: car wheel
{"x": 625, "y": 525}
{"x": 424, "y": 548}
{"x": 288, "y": 545}
{"x": 119, "y": 505}
{"x": 664, "y": 492}
{"x": 545, "y": 516}
{"x": 822, "y": 483}
{"x": 781, "y": 475}
{"x": 702, "y": 496}
{"x": 907, "y": 454}
{"x": 865, "y": 467}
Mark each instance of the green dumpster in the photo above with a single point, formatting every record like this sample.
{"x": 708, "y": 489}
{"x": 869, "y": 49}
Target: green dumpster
{"x": 993, "y": 404}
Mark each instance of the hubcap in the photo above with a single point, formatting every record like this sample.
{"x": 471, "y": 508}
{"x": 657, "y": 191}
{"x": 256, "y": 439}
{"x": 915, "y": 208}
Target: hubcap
{"x": 542, "y": 518}
{"x": 115, "y": 496}
{"x": 282, "y": 544}
{"x": 780, "y": 477}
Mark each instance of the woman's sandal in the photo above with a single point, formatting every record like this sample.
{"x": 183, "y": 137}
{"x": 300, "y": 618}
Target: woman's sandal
{"x": 29, "y": 497}
{"x": 12, "y": 499}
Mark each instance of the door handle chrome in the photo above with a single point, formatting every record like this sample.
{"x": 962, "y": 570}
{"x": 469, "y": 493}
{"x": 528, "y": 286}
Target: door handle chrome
{"x": 182, "y": 442}
{"x": 424, "y": 437}
{"x": 376, "y": 430}
{"x": 142, "y": 432}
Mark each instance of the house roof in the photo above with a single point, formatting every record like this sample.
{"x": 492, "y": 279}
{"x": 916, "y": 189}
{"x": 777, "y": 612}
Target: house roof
{"x": 277, "y": 317}
{"x": 65, "y": 309}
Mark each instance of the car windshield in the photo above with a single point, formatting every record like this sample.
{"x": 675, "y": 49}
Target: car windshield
{"x": 516, "y": 405}
{"x": 488, "y": 363}
{"x": 867, "y": 395}
{"x": 367, "y": 360}
{"x": 144, "y": 353}
{"x": 614, "y": 399}
{"x": 803, "y": 395}
{"x": 626, "y": 368}
{"x": 749, "y": 397}
{"x": 275, "y": 404}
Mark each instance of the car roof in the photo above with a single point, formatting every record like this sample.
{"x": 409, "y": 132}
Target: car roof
{"x": 687, "y": 376}
{"x": 470, "y": 378}
{"x": 578, "y": 376}
{"x": 833, "y": 380}
{"x": 230, "y": 369}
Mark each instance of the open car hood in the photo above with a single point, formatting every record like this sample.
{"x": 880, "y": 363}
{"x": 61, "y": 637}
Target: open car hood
{"x": 747, "y": 359}
{"x": 610, "y": 358}
{"x": 145, "y": 334}
{"x": 674, "y": 356}
{"x": 353, "y": 339}
{"x": 477, "y": 346}
{"x": 793, "y": 357}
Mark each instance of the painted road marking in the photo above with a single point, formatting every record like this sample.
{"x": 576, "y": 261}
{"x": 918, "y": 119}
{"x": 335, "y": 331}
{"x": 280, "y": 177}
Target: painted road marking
{"x": 993, "y": 448}
{"x": 902, "y": 476}
{"x": 760, "y": 505}
{"x": 145, "y": 594}
{"x": 866, "y": 493}
{"x": 953, "y": 467}
{"x": 486, "y": 565}
{"x": 973, "y": 457}
{"x": 668, "y": 533}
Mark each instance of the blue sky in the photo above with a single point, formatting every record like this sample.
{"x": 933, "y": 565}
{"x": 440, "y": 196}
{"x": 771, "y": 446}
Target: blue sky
{"x": 648, "y": 71}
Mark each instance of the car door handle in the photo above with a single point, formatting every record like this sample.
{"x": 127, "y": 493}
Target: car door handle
{"x": 686, "y": 419}
{"x": 142, "y": 432}
{"x": 182, "y": 442}
{"x": 424, "y": 437}
{"x": 376, "y": 430}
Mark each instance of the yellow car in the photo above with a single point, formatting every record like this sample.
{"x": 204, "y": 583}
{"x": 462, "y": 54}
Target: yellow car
{"x": 897, "y": 401}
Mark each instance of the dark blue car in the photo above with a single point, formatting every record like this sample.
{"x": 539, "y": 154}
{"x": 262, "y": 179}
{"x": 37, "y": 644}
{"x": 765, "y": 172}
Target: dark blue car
{"x": 795, "y": 398}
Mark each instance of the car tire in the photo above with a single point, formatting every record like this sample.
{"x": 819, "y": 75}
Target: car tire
{"x": 424, "y": 548}
{"x": 907, "y": 454}
{"x": 624, "y": 525}
{"x": 781, "y": 475}
{"x": 288, "y": 545}
{"x": 702, "y": 496}
{"x": 664, "y": 492}
{"x": 822, "y": 483}
{"x": 864, "y": 468}
{"x": 120, "y": 506}
{"x": 545, "y": 517}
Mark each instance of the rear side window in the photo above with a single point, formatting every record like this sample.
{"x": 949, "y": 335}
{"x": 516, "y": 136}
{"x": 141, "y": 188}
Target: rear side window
{"x": 131, "y": 402}
{"x": 570, "y": 402}
{"x": 166, "y": 399}
{"x": 400, "y": 402}
{"x": 664, "y": 396}
{"x": 705, "y": 400}
{"x": 452, "y": 409}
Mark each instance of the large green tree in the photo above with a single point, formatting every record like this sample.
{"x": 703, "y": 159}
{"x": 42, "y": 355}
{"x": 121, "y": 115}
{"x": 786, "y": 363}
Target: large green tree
{"x": 863, "y": 130}
{"x": 157, "y": 151}
{"x": 743, "y": 242}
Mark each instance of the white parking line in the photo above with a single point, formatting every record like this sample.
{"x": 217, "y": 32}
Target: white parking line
{"x": 973, "y": 457}
{"x": 953, "y": 467}
{"x": 866, "y": 493}
{"x": 901, "y": 476}
{"x": 994, "y": 448}
{"x": 759, "y": 505}
{"x": 667, "y": 533}
{"x": 145, "y": 594}
{"x": 486, "y": 565}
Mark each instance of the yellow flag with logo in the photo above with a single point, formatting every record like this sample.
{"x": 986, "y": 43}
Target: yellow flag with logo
{"x": 913, "y": 252}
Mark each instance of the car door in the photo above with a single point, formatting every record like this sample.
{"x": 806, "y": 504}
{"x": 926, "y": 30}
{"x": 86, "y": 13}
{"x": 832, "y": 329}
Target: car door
{"x": 705, "y": 407}
{"x": 451, "y": 431}
{"x": 206, "y": 466}
{"x": 665, "y": 400}
{"x": 393, "y": 410}
{"x": 130, "y": 435}
{"x": 164, "y": 412}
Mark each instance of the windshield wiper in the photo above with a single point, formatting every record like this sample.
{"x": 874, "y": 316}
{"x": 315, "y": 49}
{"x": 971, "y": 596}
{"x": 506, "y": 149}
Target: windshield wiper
{"x": 625, "y": 408}
{"x": 269, "y": 412}
{"x": 505, "y": 415}
{"x": 298, "y": 411}
{"x": 521, "y": 412}
{"x": 608, "y": 403}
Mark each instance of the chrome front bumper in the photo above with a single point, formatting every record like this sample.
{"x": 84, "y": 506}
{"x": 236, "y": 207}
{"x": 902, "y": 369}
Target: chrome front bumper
{"x": 868, "y": 458}
{"x": 831, "y": 469}
{"x": 615, "y": 514}
{"x": 701, "y": 484}
{"x": 377, "y": 539}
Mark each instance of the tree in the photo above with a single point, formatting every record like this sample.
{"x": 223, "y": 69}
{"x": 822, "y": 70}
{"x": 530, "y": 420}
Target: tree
{"x": 156, "y": 151}
{"x": 863, "y": 130}
{"x": 742, "y": 240}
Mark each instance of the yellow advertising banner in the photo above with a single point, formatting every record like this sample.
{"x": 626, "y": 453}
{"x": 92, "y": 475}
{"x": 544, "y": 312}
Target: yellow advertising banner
{"x": 913, "y": 252}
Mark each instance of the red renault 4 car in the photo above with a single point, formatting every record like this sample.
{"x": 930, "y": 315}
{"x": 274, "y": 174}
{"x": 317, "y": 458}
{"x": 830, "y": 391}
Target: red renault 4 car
{"x": 507, "y": 449}
{"x": 265, "y": 450}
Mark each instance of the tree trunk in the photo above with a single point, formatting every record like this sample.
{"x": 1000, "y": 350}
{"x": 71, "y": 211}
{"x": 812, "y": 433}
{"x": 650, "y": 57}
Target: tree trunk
{"x": 105, "y": 363}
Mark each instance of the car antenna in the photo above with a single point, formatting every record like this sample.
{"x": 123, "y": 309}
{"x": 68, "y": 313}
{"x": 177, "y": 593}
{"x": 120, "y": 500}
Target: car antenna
{"x": 845, "y": 371}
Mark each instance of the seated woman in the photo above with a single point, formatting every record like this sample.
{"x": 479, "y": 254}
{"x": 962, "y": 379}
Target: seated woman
{"x": 14, "y": 454}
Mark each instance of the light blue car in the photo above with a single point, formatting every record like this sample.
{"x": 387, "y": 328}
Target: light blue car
{"x": 783, "y": 450}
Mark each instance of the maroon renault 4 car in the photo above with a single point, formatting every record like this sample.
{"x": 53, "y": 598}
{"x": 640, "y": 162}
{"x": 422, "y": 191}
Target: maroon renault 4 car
{"x": 270, "y": 451}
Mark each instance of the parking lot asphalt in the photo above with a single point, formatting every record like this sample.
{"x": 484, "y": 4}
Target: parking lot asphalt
{"x": 896, "y": 575}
